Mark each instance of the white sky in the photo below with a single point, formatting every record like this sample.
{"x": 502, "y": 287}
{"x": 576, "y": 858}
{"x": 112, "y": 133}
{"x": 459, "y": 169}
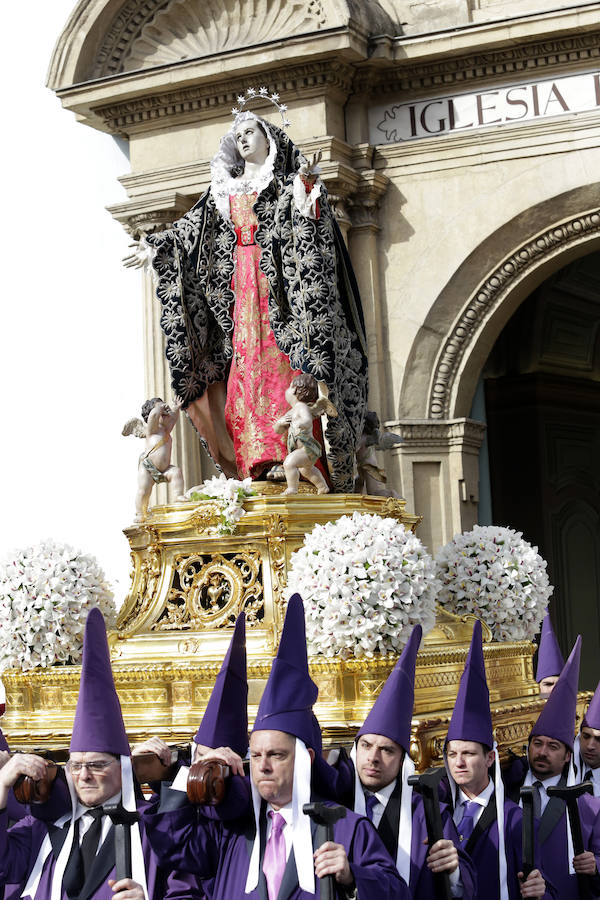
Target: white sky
{"x": 71, "y": 337}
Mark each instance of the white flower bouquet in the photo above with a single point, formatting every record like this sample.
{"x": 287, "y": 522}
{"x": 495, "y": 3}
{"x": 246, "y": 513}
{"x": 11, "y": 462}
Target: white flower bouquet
{"x": 492, "y": 573}
{"x": 365, "y": 582}
{"x": 46, "y": 592}
{"x": 231, "y": 495}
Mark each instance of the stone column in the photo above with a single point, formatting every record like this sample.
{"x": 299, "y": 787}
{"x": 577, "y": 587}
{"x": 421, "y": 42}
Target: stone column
{"x": 363, "y": 245}
{"x": 437, "y": 467}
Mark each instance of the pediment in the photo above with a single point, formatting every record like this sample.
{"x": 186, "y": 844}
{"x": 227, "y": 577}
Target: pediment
{"x": 111, "y": 37}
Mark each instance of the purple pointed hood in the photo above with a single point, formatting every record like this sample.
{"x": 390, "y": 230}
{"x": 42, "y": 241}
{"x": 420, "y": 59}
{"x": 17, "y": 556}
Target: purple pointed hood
{"x": 290, "y": 693}
{"x": 550, "y": 660}
{"x": 471, "y": 718}
{"x": 98, "y": 721}
{"x": 391, "y": 715}
{"x": 557, "y": 719}
{"x": 592, "y": 715}
{"x": 3, "y": 742}
{"x": 225, "y": 720}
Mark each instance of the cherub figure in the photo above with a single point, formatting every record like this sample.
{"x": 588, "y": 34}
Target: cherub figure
{"x": 155, "y": 462}
{"x": 371, "y": 477}
{"x": 303, "y": 448}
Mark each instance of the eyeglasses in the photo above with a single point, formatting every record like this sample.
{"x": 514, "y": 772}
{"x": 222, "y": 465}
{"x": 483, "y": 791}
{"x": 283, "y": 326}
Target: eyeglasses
{"x": 95, "y": 766}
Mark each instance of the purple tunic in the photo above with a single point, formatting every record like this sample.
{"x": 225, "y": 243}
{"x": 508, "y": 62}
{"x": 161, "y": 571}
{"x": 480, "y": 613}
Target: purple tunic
{"x": 19, "y": 847}
{"x": 337, "y": 783}
{"x": 222, "y": 850}
{"x": 483, "y": 850}
{"x": 553, "y": 845}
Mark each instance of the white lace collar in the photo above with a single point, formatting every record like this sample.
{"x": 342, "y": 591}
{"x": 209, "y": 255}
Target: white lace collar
{"x": 222, "y": 183}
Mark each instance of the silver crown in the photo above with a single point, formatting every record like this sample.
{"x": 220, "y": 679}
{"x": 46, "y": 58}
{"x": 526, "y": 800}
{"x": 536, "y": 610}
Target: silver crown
{"x": 260, "y": 94}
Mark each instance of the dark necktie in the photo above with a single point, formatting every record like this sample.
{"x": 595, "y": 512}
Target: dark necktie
{"x": 371, "y": 801}
{"x": 537, "y": 799}
{"x": 467, "y": 823}
{"x": 91, "y": 839}
{"x": 73, "y": 878}
{"x": 588, "y": 776}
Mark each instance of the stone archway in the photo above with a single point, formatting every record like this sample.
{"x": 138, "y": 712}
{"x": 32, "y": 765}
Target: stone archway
{"x": 483, "y": 293}
{"x": 438, "y": 464}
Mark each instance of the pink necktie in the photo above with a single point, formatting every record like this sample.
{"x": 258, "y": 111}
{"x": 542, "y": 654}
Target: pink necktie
{"x": 274, "y": 860}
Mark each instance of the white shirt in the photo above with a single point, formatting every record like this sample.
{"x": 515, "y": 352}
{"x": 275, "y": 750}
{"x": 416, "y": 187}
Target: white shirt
{"x": 482, "y": 801}
{"x": 86, "y": 820}
{"x": 595, "y": 777}
{"x": 553, "y": 780}
{"x": 383, "y": 795}
{"x": 286, "y": 812}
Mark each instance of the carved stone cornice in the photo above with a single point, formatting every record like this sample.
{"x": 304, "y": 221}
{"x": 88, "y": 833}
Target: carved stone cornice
{"x": 491, "y": 293}
{"x": 463, "y": 433}
{"x": 216, "y": 99}
{"x": 452, "y": 71}
{"x": 142, "y": 216}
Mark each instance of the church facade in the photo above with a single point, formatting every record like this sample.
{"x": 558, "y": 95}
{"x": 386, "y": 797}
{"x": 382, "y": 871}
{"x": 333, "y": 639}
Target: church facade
{"x": 460, "y": 145}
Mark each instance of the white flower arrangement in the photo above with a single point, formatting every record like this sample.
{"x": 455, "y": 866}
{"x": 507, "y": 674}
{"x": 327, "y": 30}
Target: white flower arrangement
{"x": 231, "y": 495}
{"x": 492, "y": 573}
{"x": 46, "y": 592}
{"x": 365, "y": 582}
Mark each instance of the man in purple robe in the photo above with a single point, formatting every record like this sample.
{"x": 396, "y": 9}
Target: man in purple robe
{"x": 74, "y": 857}
{"x": 374, "y": 782}
{"x": 272, "y": 850}
{"x": 550, "y": 660}
{"x": 489, "y": 825}
{"x": 548, "y": 764}
{"x": 586, "y": 751}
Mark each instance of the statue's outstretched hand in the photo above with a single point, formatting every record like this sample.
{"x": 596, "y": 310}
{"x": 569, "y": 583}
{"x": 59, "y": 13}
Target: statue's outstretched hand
{"x": 310, "y": 170}
{"x": 140, "y": 257}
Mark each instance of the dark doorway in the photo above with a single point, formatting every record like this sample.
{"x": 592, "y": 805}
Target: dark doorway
{"x": 542, "y": 389}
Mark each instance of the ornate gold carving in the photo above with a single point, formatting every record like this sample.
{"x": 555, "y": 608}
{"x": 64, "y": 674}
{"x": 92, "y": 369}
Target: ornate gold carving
{"x": 210, "y": 591}
{"x": 369, "y": 687}
{"x": 491, "y": 293}
{"x": 328, "y": 688}
{"x": 181, "y": 692}
{"x": 202, "y": 693}
{"x": 145, "y": 577}
{"x": 205, "y": 518}
{"x": 50, "y": 698}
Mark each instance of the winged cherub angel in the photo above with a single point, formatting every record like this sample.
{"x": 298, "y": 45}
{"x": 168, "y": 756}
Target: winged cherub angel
{"x": 156, "y": 425}
{"x": 303, "y": 448}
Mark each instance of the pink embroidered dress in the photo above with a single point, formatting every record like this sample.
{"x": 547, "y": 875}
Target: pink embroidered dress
{"x": 260, "y": 373}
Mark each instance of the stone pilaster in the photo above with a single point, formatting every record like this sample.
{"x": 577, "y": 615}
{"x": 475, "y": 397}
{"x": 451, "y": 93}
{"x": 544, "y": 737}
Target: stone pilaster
{"x": 438, "y": 469}
{"x": 363, "y": 245}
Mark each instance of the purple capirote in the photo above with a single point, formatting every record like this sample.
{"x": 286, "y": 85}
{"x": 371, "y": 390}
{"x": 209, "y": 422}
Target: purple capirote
{"x": 557, "y": 719}
{"x": 471, "y": 718}
{"x": 225, "y": 720}
{"x": 391, "y": 715}
{"x": 290, "y": 693}
{"x": 592, "y": 715}
{"x": 98, "y": 724}
{"x": 550, "y": 660}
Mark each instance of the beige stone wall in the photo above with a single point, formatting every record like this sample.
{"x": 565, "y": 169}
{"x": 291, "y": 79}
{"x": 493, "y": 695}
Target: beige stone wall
{"x": 447, "y": 233}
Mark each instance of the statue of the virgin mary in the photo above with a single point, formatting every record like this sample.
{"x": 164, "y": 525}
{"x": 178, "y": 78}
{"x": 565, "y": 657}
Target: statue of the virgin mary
{"x": 256, "y": 286}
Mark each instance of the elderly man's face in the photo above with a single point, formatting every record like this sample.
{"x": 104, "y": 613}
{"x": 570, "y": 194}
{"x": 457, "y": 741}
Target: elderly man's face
{"x": 96, "y": 776}
{"x": 272, "y": 755}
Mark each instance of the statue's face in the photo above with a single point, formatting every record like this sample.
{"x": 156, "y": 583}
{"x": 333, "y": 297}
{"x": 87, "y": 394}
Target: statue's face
{"x": 251, "y": 142}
